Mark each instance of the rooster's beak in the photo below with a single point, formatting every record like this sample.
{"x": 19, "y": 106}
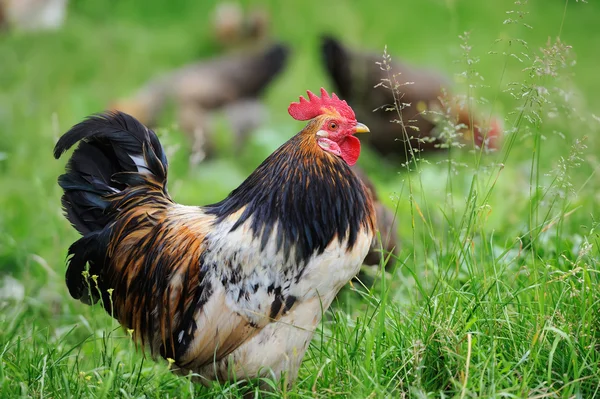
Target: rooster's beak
{"x": 360, "y": 128}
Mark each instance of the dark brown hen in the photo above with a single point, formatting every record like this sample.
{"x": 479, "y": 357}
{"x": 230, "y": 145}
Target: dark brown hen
{"x": 356, "y": 74}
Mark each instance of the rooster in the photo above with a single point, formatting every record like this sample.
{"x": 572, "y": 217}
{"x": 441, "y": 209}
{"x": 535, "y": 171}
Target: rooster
{"x": 356, "y": 75}
{"x": 199, "y": 90}
{"x": 232, "y": 289}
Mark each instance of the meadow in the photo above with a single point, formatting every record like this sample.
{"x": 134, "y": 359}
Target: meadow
{"x": 495, "y": 292}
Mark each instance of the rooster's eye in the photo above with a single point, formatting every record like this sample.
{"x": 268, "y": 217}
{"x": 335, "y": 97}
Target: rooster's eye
{"x": 333, "y": 126}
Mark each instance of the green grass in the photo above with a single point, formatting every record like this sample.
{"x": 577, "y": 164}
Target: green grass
{"x": 495, "y": 292}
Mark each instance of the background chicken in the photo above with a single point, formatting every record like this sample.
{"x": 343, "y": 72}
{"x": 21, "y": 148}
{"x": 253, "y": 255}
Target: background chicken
{"x": 233, "y": 27}
{"x": 241, "y": 117}
{"x": 231, "y": 83}
{"x": 239, "y": 285}
{"x": 387, "y": 226}
{"x": 32, "y": 15}
{"x": 355, "y": 75}
{"x": 3, "y": 22}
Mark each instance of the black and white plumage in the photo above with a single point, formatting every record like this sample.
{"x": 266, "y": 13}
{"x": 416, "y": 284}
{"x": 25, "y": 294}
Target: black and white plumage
{"x": 234, "y": 287}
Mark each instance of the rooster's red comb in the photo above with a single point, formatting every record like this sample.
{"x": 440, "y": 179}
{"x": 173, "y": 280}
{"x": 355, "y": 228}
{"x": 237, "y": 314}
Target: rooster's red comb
{"x": 315, "y": 106}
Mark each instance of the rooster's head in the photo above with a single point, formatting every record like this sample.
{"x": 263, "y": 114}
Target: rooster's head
{"x": 333, "y": 124}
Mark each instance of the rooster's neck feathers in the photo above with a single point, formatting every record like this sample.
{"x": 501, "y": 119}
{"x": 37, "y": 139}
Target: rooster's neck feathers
{"x": 309, "y": 196}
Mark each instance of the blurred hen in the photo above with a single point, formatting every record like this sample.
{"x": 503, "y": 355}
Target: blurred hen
{"x": 237, "y": 286}
{"x": 356, "y": 74}
{"x": 387, "y": 241}
{"x": 232, "y": 27}
{"x": 230, "y": 83}
{"x": 32, "y": 15}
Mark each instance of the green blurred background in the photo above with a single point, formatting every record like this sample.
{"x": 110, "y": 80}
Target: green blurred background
{"x": 107, "y": 49}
